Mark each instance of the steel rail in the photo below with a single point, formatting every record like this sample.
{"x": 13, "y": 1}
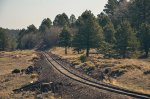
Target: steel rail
{"x": 93, "y": 83}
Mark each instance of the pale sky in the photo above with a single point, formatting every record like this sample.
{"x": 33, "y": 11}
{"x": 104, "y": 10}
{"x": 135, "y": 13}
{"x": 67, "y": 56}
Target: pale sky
{"x": 18, "y": 14}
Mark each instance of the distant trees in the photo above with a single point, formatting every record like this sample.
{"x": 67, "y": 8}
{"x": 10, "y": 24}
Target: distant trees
{"x": 7, "y": 41}
{"x": 41, "y": 38}
{"x": 65, "y": 38}
{"x": 61, "y": 20}
{"x": 28, "y": 38}
{"x": 90, "y": 33}
{"x": 72, "y": 20}
{"x": 31, "y": 28}
{"x": 45, "y": 25}
{"x": 121, "y": 29}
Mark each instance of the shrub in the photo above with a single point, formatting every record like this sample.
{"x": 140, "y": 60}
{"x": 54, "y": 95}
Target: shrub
{"x": 83, "y": 58}
{"x": 147, "y": 72}
{"x": 15, "y": 71}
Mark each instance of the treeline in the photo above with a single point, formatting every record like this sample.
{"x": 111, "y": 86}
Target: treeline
{"x": 122, "y": 30}
{"x": 8, "y": 39}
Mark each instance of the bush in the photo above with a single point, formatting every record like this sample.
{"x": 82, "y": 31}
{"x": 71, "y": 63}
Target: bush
{"x": 147, "y": 72}
{"x": 83, "y": 58}
{"x": 15, "y": 71}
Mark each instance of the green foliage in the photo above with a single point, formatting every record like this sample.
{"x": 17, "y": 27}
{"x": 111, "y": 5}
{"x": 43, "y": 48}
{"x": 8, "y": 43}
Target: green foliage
{"x": 83, "y": 58}
{"x": 139, "y": 11}
{"x": 110, "y": 7}
{"x": 29, "y": 38}
{"x": 103, "y": 19}
{"x": 61, "y": 20}
{"x": 31, "y": 28}
{"x": 126, "y": 39}
{"x": 29, "y": 41}
{"x": 65, "y": 38}
{"x": 7, "y": 41}
{"x": 109, "y": 33}
{"x": 45, "y": 25}
{"x": 90, "y": 33}
{"x": 144, "y": 35}
{"x": 107, "y": 50}
{"x": 72, "y": 20}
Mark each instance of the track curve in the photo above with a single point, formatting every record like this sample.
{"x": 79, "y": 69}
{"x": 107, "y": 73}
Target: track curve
{"x": 59, "y": 67}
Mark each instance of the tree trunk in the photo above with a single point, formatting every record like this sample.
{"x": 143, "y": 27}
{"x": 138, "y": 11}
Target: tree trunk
{"x": 87, "y": 47}
{"x": 65, "y": 50}
{"x": 146, "y": 53}
{"x": 87, "y": 52}
{"x": 146, "y": 49}
{"x": 124, "y": 54}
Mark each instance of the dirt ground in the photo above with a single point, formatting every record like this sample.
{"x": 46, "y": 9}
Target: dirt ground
{"x": 133, "y": 74}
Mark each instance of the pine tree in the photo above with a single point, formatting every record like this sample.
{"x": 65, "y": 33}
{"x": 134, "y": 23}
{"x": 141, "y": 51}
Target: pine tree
{"x": 72, "y": 20}
{"x": 109, "y": 33}
{"x": 61, "y": 20}
{"x": 65, "y": 38}
{"x": 139, "y": 11}
{"x": 144, "y": 35}
{"x": 90, "y": 33}
{"x": 126, "y": 39}
{"x": 103, "y": 19}
{"x": 110, "y": 7}
{"x": 45, "y": 25}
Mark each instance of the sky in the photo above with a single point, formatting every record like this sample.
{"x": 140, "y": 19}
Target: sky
{"x": 18, "y": 14}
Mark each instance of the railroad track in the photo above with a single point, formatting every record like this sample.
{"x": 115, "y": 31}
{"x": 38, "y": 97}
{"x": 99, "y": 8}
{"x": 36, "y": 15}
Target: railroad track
{"x": 63, "y": 70}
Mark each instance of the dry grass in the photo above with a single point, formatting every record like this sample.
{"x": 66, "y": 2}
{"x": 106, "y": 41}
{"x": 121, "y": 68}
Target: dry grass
{"x": 133, "y": 78}
{"x": 8, "y": 62}
{"x": 18, "y": 60}
{"x": 15, "y": 59}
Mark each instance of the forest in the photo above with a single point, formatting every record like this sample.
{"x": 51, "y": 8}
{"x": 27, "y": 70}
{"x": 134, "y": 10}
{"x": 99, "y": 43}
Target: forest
{"x": 121, "y": 30}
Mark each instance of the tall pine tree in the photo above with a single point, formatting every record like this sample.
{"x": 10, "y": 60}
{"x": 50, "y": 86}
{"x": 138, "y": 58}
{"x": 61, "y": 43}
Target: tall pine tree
{"x": 90, "y": 33}
{"x": 144, "y": 35}
{"x": 126, "y": 39}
